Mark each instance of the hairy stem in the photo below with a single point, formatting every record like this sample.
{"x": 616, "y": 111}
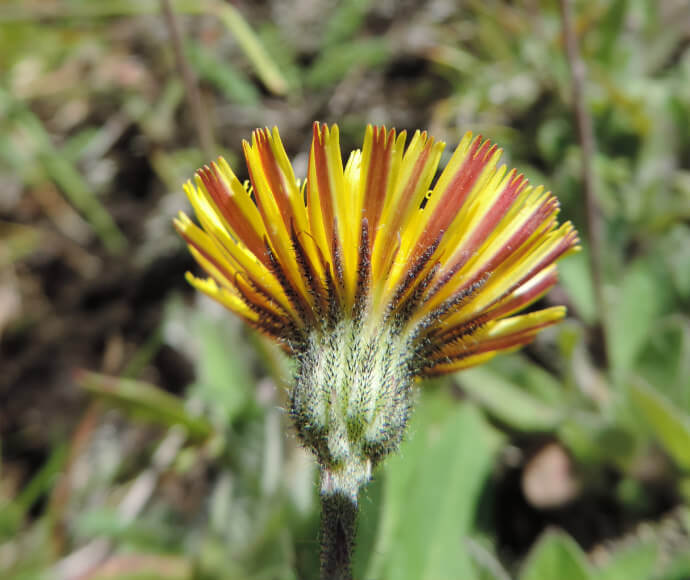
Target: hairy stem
{"x": 338, "y": 525}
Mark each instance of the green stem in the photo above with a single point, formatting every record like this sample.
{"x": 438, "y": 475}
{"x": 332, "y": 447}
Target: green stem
{"x": 338, "y": 525}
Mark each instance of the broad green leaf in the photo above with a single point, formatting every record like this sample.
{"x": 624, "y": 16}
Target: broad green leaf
{"x": 530, "y": 377}
{"x": 669, "y": 425}
{"x": 638, "y": 302}
{"x": 223, "y": 375}
{"x": 665, "y": 360}
{"x": 552, "y": 138}
{"x": 594, "y": 440}
{"x": 430, "y": 493}
{"x": 674, "y": 250}
{"x": 144, "y": 400}
{"x": 575, "y": 277}
{"x": 678, "y": 568}
{"x": 610, "y": 27}
{"x": 368, "y": 522}
{"x": 223, "y": 358}
{"x": 556, "y": 556}
{"x": 486, "y": 562}
{"x": 637, "y": 562}
{"x": 507, "y": 401}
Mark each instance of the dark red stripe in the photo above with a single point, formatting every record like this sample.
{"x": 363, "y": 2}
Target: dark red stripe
{"x": 322, "y": 180}
{"x": 273, "y": 174}
{"x": 377, "y": 178}
{"x": 228, "y": 207}
{"x": 457, "y": 191}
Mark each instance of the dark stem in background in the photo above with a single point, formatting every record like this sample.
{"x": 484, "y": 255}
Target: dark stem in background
{"x": 191, "y": 88}
{"x": 587, "y": 145}
{"x": 338, "y": 525}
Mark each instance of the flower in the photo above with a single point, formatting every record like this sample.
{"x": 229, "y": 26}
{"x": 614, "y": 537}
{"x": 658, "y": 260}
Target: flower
{"x": 372, "y": 274}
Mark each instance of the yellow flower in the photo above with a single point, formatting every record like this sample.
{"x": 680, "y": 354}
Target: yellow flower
{"x": 375, "y": 273}
{"x": 374, "y": 240}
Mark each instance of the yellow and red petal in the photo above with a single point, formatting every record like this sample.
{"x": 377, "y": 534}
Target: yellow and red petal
{"x": 496, "y": 335}
{"x": 369, "y": 241}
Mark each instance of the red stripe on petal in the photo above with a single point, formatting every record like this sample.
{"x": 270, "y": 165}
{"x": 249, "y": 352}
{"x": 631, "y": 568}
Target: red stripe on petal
{"x": 522, "y": 235}
{"x": 512, "y": 340}
{"x": 230, "y": 210}
{"x": 412, "y": 184}
{"x": 232, "y": 277}
{"x": 457, "y": 191}
{"x": 490, "y": 220}
{"x": 525, "y": 298}
{"x": 274, "y": 176}
{"x": 388, "y": 251}
{"x": 482, "y": 345}
{"x": 566, "y": 243}
{"x": 377, "y": 177}
{"x": 323, "y": 184}
{"x": 229, "y": 276}
{"x": 514, "y": 244}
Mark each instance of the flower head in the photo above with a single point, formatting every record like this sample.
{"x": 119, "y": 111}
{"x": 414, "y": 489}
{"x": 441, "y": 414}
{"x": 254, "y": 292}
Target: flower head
{"x": 376, "y": 272}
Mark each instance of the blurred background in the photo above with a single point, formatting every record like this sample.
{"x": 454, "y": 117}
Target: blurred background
{"x": 142, "y": 431}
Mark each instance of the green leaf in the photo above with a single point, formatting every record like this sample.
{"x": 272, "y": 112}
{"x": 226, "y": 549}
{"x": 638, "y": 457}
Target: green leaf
{"x": 224, "y": 379}
{"x": 430, "y": 494}
{"x": 665, "y": 360}
{"x": 575, "y": 277}
{"x": 112, "y": 524}
{"x": 507, "y": 401}
{"x": 221, "y": 349}
{"x": 594, "y": 440}
{"x": 334, "y": 64}
{"x": 638, "y": 303}
{"x": 530, "y": 377}
{"x": 44, "y": 480}
{"x": 145, "y": 401}
{"x": 636, "y": 562}
{"x": 65, "y": 175}
{"x": 233, "y": 83}
{"x": 556, "y": 556}
{"x": 678, "y": 568}
{"x": 610, "y": 28}
{"x": 346, "y": 20}
{"x": 674, "y": 250}
{"x": 486, "y": 561}
{"x": 552, "y": 138}
{"x": 668, "y": 424}
{"x": 266, "y": 69}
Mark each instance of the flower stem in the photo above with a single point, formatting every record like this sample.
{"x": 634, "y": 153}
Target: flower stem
{"x": 338, "y": 524}
{"x": 201, "y": 122}
{"x": 585, "y": 133}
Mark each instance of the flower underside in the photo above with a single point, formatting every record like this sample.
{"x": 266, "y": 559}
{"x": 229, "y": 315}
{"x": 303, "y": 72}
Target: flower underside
{"x": 440, "y": 268}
